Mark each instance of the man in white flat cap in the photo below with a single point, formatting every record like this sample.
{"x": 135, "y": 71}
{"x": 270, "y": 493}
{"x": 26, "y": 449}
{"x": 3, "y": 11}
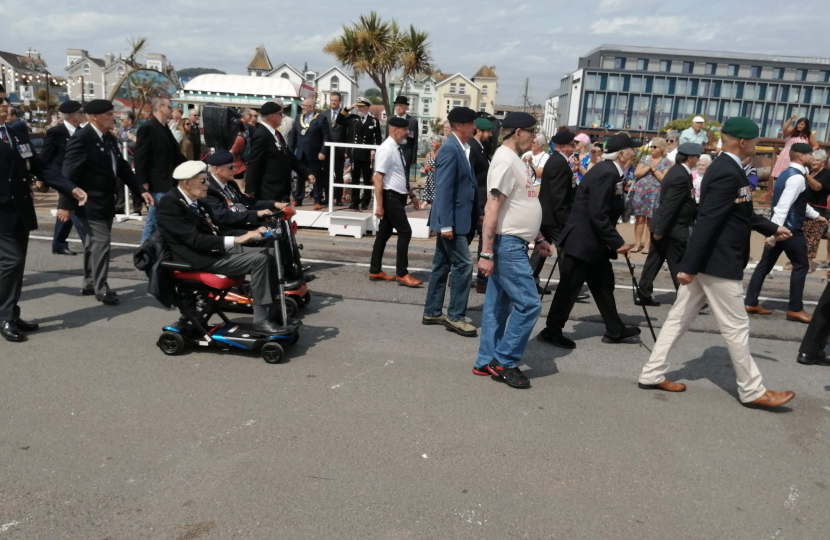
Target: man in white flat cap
{"x": 696, "y": 133}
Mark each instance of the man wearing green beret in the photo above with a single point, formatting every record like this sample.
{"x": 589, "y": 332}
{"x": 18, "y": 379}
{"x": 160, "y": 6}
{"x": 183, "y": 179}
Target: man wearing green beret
{"x": 790, "y": 209}
{"x": 481, "y": 165}
{"x": 712, "y": 268}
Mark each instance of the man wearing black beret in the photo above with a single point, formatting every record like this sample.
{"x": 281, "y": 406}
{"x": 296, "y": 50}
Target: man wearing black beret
{"x": 712, "y": 268}
{"x": 93, "y": 162}
{"x": 54, "y": 149}
{"x": 269, "y": 170}
{"x": 790, "y": 209}
{"x": 672, "y": 221}
{"x": 587, "y": 242}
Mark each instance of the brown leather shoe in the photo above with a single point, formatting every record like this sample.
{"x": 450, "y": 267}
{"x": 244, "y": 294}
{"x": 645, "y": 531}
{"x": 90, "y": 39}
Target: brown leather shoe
{"x": 771, "y": 399}
{"x": 409, "y": 281}
{"x": 481, "y": 288}
{"x": 318, "y": 206}
{"x": 758, "y": 310}
{"x": 381, "y": 276}
{"x": 799, "y": 316}
{"x": 666, "y": 385}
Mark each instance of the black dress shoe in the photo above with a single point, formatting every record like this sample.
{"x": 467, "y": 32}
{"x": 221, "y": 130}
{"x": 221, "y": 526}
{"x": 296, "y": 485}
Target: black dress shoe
{"x": 645, "y": 301}
{"x": 11, "y": 332}
{"x": 87, "y": 292}
{"x": 628, "y": 333}
{"x": 540, "y": 290}
{"x": 338, "y": 202}
{"x": 582, "y": 297}
{"x": 354, "y": 206}
{"x": 364, "y": 206}
{"x": 271, "y": 328}
{"x": 108, "y": 299}
{"x": 813, "y": 359}
{"x": 63, "y": 251}
{"x": 557, "y": 339}
{"x": 26, "y": 326}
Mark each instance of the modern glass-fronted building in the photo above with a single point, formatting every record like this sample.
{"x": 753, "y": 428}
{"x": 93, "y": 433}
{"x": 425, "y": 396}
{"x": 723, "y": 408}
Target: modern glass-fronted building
{"x": 643, "y": 88}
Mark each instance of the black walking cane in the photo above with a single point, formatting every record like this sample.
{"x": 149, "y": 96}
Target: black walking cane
{"x": 558, "y": 254}
{"x": 636, "y": 289}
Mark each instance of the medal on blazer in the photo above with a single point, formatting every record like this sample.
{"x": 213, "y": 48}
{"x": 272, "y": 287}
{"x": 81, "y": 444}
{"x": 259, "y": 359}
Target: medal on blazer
{"x": 744, "y": 195}
{"x": 214, "y": 229}
{"x": 304, "y": 125}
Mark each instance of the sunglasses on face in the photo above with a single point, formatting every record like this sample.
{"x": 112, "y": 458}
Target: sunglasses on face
{"x": 670, "y": 140}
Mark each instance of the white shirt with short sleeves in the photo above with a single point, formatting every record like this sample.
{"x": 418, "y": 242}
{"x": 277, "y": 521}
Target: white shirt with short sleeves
{"x": 389, "y": 162}
{"x": 521, "y": 213}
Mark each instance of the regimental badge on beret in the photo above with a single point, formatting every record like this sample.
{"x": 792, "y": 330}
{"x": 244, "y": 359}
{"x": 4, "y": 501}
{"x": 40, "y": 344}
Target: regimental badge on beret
{"x": 217, "y": 159}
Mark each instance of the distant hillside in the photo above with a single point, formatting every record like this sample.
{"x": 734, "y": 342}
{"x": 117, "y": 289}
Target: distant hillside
{"x": 189, "y": 73}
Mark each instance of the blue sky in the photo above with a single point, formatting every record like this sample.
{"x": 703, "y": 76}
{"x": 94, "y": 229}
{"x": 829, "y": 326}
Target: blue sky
{"x": 540, "y": 40}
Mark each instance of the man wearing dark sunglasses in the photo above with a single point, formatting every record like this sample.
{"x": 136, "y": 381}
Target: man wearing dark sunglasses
{"x": 672, "y": 140}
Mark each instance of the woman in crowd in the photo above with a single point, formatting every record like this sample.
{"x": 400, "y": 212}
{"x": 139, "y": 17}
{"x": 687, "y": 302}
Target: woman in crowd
{"x": 818, "y": 182}
{"x": 645, "y": 194}
{"x": 697, "y": 174}
{"x": 536, "y": 157}
{"x": 184, "y": 126}
{"x": 239, "y": 165}
{"x": 429, "y": 168}
{"x": 582, "y": 155}
{"x": 800, "y": 133}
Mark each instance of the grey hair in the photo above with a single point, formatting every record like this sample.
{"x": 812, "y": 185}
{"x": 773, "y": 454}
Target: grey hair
{"x": 706, "y": 158}
{"x": 820, "y": 155}
{"x": 156, "y": 102}
{"x": 610, "y": 157}
{"x": 437, "y": 138}
{"x": 541, "y": 140}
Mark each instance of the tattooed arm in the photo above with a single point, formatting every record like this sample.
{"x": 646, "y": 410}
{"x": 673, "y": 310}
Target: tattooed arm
{"x": 488, "y": 230}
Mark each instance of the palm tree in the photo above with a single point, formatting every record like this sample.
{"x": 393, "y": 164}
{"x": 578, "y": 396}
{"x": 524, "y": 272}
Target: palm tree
{"x": 376, "y": 48}
{"x": 137, "y": 46}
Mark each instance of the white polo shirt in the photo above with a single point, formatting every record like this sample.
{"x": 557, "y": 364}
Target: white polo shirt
{"x": 389, "y": 162}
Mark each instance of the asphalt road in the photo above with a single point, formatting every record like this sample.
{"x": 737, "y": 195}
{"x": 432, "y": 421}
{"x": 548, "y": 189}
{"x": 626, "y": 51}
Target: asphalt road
{"x": 376, "y": 427}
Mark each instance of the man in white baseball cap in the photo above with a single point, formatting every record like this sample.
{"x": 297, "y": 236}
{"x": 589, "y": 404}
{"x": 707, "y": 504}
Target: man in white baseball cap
{"x": 696, "y": 133}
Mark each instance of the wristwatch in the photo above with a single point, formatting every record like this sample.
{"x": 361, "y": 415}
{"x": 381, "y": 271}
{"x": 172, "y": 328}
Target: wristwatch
{"x": 488, "y": 256}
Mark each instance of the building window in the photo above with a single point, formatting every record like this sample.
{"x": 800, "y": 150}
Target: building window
{"x": 426, "y": 106}
{"x": 688, "y": 67}
{"x": 801, "y": 74}
{"x": 733, "y": 70}
{"x": 86, "y": 69}
{"x": 283, "y": 76}
{"x": 825, "y": 76}
{"x": 452, "y": 88}
{"x": 456, "y": 103}
{"x": 711, "y": 69}
{"x": 665, "y": 65}
{"x": 777, "y": 73}
{"x": 619, "y": 63}
{"x": 755, "y": 72}
{"x": 90, "y": 88}
{"x": 334, "y": 84}
{"x": 425, "y": 128}
{"x": 309, "y": 76}
{"x": 642, "y": 64}
{"x": 484, "y": 90}
{"x": 482, "y": 106}
{"x": 462, "y": 88}
{"x": 448, "y": 105}
{"x": 427, "y": 87}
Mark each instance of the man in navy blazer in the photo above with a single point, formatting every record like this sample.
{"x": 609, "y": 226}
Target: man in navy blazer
{"x": 454, "y": 214}
{"x": 306, "y": 138}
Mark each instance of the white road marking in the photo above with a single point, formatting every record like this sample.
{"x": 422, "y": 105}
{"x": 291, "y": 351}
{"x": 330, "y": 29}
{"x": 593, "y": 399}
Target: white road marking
{"x": 359, "y": 375}
{"x": 366, "y": 265}
{"x": 792, "y": 498}
{"x": 6, "y": 526}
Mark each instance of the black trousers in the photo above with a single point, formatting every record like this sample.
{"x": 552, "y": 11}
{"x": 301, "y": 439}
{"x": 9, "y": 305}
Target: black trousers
{"x": 361, "y": 174}
{"x": 573, "y": 273}
{"x": 394, "y": 217}
{"x": 14, "y": 244}
{"x": 796, "y": 249}
{"x": 135, "y": 199}
{"x": 316, "y": 168}
{"x": 62, "y": 230}
{"x": 665, "y": 249}
{"x": 815, "y": 338}
{"x": 537, "y": 262}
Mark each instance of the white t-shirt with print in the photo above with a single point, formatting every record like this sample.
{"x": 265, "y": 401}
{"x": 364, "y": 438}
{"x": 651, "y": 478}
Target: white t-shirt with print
{"x": 521, "y": 213}
{"x": 538, "y": 161}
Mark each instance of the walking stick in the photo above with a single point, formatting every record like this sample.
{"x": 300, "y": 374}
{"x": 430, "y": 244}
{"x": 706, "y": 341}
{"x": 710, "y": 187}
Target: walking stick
{"x": 558, "y": 253}
{"x": 637, "y": 288}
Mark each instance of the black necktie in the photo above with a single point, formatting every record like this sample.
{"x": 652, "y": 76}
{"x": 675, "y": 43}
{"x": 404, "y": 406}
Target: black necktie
{"x": 230, "y": 193}
{"x": 3, "y": 135}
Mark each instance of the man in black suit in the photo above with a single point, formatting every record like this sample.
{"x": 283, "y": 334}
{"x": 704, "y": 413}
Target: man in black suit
{"x": 156, "y": 155}
{"x": 672, "y": 222}
{"x": 18, "y": 162}
{"x": 811, "y": 352}
{"x": 361, "y": 128}
{"x": 54, "y": 149}
{"x": 410, "y": 148}
{"x": 195, "y": 134}
{"x": 94, "y": 163}
{"x": 480, "y": 162}
{"x": 587, "y": 242}
{"x": 230, "y": 207}
{"x": 712, "y": 269}
{"x": 334, "y": 132}
{"x": 306, "y": 138}
{"x": 269, "y": 170}
{"x": 190, "y": 232}
{"x": 556, "y": 193}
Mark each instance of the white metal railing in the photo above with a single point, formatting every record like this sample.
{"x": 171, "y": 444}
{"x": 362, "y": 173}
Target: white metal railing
{"x": 128, "y": 214}
{"x": 332, "y": 185}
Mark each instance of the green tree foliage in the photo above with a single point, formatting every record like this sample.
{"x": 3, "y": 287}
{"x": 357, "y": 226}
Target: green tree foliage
{"x": 711, "y": 126}
{"x": 372, "y": 92}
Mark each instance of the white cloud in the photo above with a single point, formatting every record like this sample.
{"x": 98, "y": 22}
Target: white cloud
{"x": 651, "y": 26}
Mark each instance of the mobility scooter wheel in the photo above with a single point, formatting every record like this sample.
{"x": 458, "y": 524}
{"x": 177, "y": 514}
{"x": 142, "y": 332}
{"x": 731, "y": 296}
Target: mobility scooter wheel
{"x": 273, "y": 353}
{"x": 171, "y": 343}
{"x": 291, "y": 307}
{"x": 306, "y": 299}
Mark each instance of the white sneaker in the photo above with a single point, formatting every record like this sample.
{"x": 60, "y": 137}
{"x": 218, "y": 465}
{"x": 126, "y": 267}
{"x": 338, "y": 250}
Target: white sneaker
{"x": 632, "y": 221}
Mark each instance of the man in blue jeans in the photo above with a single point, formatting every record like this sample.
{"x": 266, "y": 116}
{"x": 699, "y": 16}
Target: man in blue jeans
{"x": 512, "y": 217}
{"x": 453, "y": 215}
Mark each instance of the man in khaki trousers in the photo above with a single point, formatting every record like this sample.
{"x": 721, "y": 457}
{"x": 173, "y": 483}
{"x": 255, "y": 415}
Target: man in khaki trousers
{"x": 712, "y": 268}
